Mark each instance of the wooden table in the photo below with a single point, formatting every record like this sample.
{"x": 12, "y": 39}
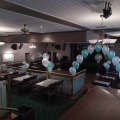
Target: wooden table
{"x": 101, "y": 103}
{"x": 20, "y": 79}
{"x": 46, "y": 83}
{"x": 14, "y": 117}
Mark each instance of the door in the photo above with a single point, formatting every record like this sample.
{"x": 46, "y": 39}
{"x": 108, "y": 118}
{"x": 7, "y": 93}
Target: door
{"x": 27, "y": 57}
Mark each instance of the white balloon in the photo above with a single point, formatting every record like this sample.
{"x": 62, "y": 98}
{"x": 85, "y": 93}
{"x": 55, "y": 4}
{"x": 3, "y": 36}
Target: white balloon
{"x": 72, "y": 70}
{"x": 98, "y": 57}
{"x": 79, "y": 58}
{"x": 46, "y": 55}
{"x": 105, "y": 64}
{"x": 58, "y": 55}
{"x": 24, "y": 62}
{"x": 105, "y": 49}
{"x": 27, "y": 65}
{"x": 109, "y": 61}
{"x": 115, "y": 60}
{"x": 90, "y": 49}
{"x": 45, "y": 62}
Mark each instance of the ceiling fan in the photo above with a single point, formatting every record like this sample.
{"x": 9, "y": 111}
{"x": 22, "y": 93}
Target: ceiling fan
{"x": 24, "y": 30}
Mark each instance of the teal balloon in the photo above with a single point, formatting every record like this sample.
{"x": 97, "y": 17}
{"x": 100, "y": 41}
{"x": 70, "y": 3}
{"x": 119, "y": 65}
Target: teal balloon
{"x": 50, "y": 70}
{"x": 84, "y": 53}
{"x": 75, "y": 64}
{"x": 118, "y": 67}
{"x": 108, "y": 67}
{"x": 50, "y": 65}
{"x": 111, "y": 54}
{"x": 98, "y": 47}
{"x": 12, "y": 61}
{"x": 24, "y": 67}
{"x": 33, "y": 60}
{"x": 38, "y": 56}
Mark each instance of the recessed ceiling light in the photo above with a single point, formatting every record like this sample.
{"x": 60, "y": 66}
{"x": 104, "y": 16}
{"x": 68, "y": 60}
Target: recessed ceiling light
{"x": 41, "y": 26}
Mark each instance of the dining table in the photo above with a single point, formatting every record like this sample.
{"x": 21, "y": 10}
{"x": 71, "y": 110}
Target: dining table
{"x": 20, "y": 79}
{"x": 46, "y": 83}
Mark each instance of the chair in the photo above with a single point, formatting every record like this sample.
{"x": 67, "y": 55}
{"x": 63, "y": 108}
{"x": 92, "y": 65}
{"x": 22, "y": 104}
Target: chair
{"x": 36, "y": 88}
{"x": 13, "y": 83}
{"x": 22, "y": 74}
{"x": 25, "y": 113}
{"x": 50, "y": 90}
{"x": 14, "y": 73}
{"x": 58, "y": 88}
{"x": 25, "y": 84}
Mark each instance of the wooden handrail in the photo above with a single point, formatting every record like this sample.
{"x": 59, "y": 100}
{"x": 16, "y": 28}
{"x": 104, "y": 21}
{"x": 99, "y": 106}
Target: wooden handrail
{"x": 46, "y": 71}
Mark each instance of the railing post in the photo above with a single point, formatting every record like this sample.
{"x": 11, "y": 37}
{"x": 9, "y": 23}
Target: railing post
{"x": 72, "y": 85}
{"x": 1, "y": 68}
{"x": 29, "y": 71}
{"x": 14, "y": 69}
{"x": 48, "y": 75}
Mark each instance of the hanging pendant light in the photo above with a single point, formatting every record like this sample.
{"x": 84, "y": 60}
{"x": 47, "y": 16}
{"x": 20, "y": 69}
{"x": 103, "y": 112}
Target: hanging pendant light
{"x": 102, "y": 39}
{"x": 32, "y": 46}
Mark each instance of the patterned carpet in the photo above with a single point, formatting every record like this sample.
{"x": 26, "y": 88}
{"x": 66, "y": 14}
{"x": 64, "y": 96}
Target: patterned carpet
{"x": 43, "y": 111}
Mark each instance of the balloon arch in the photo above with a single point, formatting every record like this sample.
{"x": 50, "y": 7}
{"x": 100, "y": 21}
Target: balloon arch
{"x": 98, "y": 57}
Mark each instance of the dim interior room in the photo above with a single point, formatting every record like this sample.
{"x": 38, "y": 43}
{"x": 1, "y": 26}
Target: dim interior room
{"x": 59, "y": 60}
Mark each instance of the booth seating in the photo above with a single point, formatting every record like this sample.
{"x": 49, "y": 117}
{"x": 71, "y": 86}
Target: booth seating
{"x": 108, "y": 80}
{"x": 25, "y": 83}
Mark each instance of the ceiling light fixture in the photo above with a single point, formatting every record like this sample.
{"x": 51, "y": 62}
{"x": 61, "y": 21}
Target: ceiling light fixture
{"x": 32, "y": 46}
{"x": 2, "y": 43}
{"x": 41, "y": 26}
{"x": 102, "y": 39}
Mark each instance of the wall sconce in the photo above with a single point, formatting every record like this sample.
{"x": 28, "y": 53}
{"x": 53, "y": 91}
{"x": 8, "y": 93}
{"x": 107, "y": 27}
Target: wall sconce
{"x": 2, "y": 43}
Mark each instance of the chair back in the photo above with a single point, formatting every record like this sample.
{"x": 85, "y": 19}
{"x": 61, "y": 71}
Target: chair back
{"x": 100, "y": 84}
{"x": 60, "y": 82}
{"x": 26, "y": 80}
{"x": 14, "y": 76}
{"x": 43, "y": 78}
{"x": 22, "y": 74}
{"x": 53, "y": 85}
{"x": 36, "y": 81}
{"x": 94, "y": 83}
{"x": 33, "y": 77}
{"x": 14, "y": 73}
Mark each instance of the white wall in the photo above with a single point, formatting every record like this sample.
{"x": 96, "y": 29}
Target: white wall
{"x": 20, "y": 53}
{"x": 64, "y": 53}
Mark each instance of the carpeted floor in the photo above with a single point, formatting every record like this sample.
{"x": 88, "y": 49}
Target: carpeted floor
{"x": 43, "y": 111}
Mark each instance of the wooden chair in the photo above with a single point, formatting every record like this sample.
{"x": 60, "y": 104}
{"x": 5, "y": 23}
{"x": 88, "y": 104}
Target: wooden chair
{"x": 50, "y": 90}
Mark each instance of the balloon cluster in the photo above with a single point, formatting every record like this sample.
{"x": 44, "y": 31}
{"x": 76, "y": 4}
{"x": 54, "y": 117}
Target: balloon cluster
{"x": 48, "y": 64}
{"x": 25, "y": 65}
{"x": 98, "y": 57}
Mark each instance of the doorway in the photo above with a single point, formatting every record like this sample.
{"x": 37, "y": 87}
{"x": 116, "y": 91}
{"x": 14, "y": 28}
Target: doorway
{"x": 27, "y": 57}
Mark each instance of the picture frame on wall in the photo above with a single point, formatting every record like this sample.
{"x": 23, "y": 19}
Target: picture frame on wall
{"x": 7, "y": 57}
